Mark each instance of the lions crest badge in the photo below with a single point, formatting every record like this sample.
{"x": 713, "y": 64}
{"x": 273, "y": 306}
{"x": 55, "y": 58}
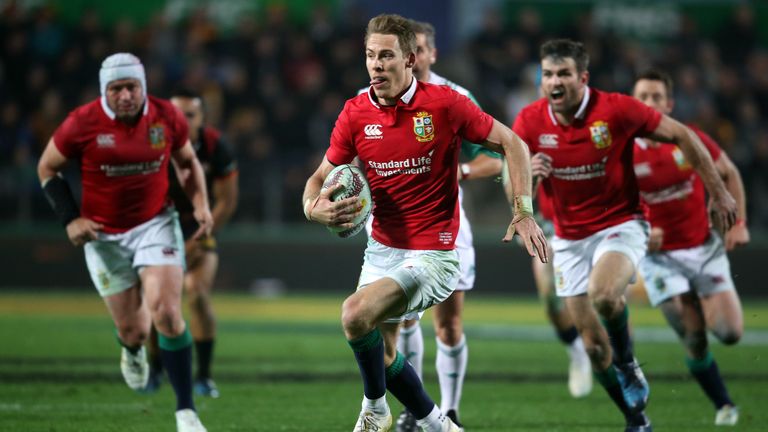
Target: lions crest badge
{"x": 157, "y": 136}
{"x": 600, "y": 134}
{"x": 423, "y": 127}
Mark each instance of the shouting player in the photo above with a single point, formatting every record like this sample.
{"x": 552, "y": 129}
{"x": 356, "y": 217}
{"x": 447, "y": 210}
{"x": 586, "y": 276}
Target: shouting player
{"x": 587, "y": 137}
{"x": 686, "y": 272}
{"x": 410, "y": 263}
{"x": 134, "y": 250}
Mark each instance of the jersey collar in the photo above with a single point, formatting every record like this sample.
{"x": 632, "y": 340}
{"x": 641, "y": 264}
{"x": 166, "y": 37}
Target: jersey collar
{"x": 582, "y": 108}
{"x": 406, "y": 97}
{"x": 111, "y": 114}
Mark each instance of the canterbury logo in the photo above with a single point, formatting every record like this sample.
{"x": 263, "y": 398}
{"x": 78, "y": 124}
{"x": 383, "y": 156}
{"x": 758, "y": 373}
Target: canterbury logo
{"x": 373, "y": 131}
{"x": 548, "y": 140}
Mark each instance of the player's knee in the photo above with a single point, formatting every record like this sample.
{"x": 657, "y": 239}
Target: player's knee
{"x": 449, "y": 331}
{"x": 353, "y": 318}
{"x": 167, "y": 319}
{"x": 606, "y": 304}
{"x": 132, "y": 334}
{"x": 729, "y": 336}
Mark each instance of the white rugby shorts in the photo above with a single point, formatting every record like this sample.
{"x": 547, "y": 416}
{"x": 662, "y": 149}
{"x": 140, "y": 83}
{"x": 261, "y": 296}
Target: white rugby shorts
{"x": 114, "y": 260}
{"x": 574, "y": 259}
{"x": 464, "y": 247}
{"x": 704, "y": 269}
{"x": 427, "y": 277}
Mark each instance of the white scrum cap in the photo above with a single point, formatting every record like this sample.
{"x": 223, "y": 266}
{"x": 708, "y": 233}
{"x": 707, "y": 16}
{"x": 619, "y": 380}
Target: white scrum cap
{"x": 121, "y": 66}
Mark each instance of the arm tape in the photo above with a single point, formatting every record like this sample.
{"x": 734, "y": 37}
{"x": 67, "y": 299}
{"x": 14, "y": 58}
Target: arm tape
{"x": 60, "y": 198}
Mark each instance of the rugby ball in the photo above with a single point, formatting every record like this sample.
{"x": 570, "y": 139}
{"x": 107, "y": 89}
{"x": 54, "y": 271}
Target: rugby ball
{"x": 353, "y": 184}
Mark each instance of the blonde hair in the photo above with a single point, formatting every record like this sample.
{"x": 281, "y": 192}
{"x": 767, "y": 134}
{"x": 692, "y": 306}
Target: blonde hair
{"x": 394, "y": 25}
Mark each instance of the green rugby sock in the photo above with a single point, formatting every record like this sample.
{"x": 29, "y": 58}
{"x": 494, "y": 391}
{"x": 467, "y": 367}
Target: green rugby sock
{"x": 707, "y": 374}
{"x": 176, "y": 353}
{"x": 618, "y": 331}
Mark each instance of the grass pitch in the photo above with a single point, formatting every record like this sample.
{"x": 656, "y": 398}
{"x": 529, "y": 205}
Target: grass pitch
{"x": 283, "y": 365}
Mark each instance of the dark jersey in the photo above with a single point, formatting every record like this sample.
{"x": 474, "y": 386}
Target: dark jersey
{"x": 218, "y": 162}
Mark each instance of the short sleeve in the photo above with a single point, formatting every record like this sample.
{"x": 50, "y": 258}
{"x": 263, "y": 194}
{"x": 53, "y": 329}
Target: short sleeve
{"x": 66, "y": 137}
{"x": 709, "y": 143}
{"x": 637, "y": 117}
{"x": 342, "y": 149}
{"x": 474, "y": 125}
{"x": 518, "y": 127}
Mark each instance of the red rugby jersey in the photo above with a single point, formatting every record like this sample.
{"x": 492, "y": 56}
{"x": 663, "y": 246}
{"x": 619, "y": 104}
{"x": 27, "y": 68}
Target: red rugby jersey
{"x": 592, "y": 184}
{"x": 124, "y": 168}
{"x": 410, "y": 153}
{"x": 673, "y": 193}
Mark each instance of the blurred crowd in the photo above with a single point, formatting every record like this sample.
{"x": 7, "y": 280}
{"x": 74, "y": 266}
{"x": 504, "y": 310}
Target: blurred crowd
{"x": 275, "y": 87}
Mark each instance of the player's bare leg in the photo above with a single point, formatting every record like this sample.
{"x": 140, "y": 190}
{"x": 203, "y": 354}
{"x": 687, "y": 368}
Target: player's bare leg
{"x": 609, "y": 343}
{"x": 362, "y": 317}
{"x": 452, "y": 353}
{"x": 132, "y": 321}
{"x": 580, "y": 369}
{"x": 198, "y": 283}
{"x": 162, "y": 288}
{"x": 689, "y": 317}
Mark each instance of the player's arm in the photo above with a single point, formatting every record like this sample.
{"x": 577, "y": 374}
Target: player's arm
{"x": 738, "y": 235}
{"x": 481, "y": 166}
{"x": 225, "y": 191}
{"x": 56, "y": 189}
{"x": 192, "y": 180}
{"x": 501, "y": 139}
{"x": 722, "y": 203}
{"x": 317, "y": 203}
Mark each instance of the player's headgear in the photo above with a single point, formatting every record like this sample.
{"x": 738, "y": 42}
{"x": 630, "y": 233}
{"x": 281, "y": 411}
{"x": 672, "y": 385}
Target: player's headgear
{"x": 121, "y": 66}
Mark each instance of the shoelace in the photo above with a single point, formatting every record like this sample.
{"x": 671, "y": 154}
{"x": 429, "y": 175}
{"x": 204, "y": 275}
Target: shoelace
{"x": 369, "y": 423}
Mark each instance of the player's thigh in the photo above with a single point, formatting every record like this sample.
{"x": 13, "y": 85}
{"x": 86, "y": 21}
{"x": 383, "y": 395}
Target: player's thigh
{"x": 162, "y": 286}
{"x": 128, "y": 310}
{"x": 199, "y": 279}
{"x": 425, "y": 277}
{"x": 684, "y": 314}
{"x": 724, "y": 316}
{"x": 610, "y": 276}
{"x": 376, "y": 301}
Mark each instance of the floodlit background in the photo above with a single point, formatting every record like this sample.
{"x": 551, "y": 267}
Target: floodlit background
{"x": 275, "y": 75}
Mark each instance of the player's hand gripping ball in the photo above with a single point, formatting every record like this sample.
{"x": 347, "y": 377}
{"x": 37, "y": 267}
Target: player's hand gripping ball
{"x": 353, "y": 184}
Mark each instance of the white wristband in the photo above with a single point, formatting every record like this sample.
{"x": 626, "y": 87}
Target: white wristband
{"x": 465, "y": 170}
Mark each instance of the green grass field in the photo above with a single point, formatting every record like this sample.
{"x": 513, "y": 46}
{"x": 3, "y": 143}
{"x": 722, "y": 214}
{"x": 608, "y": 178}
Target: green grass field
{"x": 283, "y": 365}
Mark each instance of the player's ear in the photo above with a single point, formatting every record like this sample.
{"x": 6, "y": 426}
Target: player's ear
{"x": 411, "y": 60}
{"x": 584, "y": 77}
{"x": 433, "y": 57}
